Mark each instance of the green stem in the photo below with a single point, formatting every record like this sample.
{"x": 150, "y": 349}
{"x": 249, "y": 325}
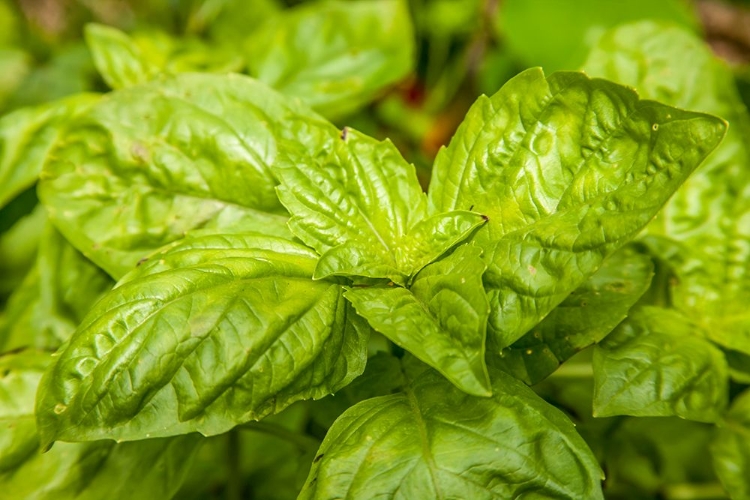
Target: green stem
{"x": 234, "y": 482}
{"x": 302, "y": 441}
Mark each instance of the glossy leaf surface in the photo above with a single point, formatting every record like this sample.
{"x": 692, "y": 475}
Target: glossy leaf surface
{"x": 434, "y": 441}
{"x": 585, "y": 317}
{"x": 568, "y": 169}
{"x": 657, "y": 364}
{"x": 441, "y": 319}
{"x": 215, "y": 332}
{"x": 148, "y": 164}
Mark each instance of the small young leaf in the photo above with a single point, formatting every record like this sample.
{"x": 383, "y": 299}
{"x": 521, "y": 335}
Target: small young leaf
{"x": 149, "y": 163}
{"x": 334, "y": 55}
{"x": 434, "y": 441}
{"x": 731, "y": 448}
{"x": 568, "y": 169}
{"x": 117, "y": 57}
{"x": 441, "y": 319}
{"x": 218, "y": 331}
{"x": 656, "y": 363}
{"x": 592, "y": 311}
{"x": 362, "y": 209}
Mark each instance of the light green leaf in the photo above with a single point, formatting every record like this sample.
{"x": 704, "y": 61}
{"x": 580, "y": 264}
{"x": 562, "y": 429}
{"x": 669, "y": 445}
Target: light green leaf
{"x": 592, "y": 311}
{"x": 434, "y": 441}
{"x": 26, "y": 136}
{"x": 568, "y": 169}
{"x": 152, "y": 469}
{"x": 703, "y": 233}
{"x": 657, "y": 364}
{"x": 217, "y": 331}
{"x": 361, "y": 207}
{"x": 731, "y": 449}
{"x": 556, "y": 34}
{"x": 14, "y": 66}
{"x": 148, "y": 164}
{"x": 54, "y": 297}
{"x": 335, "y": 55}
{"x": 117, "y": 57}
{"x": 18, "y": 247}
{"x": 441, "y": 319}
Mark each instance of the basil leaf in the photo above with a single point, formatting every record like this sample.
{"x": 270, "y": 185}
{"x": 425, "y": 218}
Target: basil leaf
{"x": 434, "y": 441}
{"x": 117, "y": 57}
{"x": 657, "y": 364}
{"x": 362, "y": 209}
{"x": 54, "y": 297}
{"x": 26, "y": 136}
{"x": 152, "y": 469}
{"x": 18, "y": 247}
{"x": 731, "y": 448}
{"x": 705, "y": 243}
{"x": 556, "y": 34}
{"x": 568, "y": 169}
{"x": 334, "y": 55}
{"x": 235, "y": 331}
{"x": 441, "y": 319}
{"x": 148, "y": 164}
{"x": 585, "y": 317}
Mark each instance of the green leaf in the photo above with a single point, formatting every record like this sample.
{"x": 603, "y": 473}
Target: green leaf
{"x": 334, "y": 55}
{"x": 361, "y": 207}
{"x": 703, "y": 232}
{"x": 148, "y": 164}
{"x": 585, "y": 317}
{"x": 656, "y": 363}
{"x": 26, "y": 136}
{"x": 152, "y": 469}
{"x": 54, "y": 297}
{"x": 731, "y": 449}
{"x": 567, "y": 169}
{"x": 117, "y": 57}
{"x": 217, "y": 331}
{"x": 18, "y": 247}
{"x": 556, "y": 34}
{"x": 434, "y": 441}
{"x": 441, "y": 319}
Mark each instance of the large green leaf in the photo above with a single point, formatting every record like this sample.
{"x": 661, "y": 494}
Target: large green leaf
{"x": 152, "y": 469}
{"x": 703, "y": 233}
{"x": 556, "y": 34}
{"x": 26, "y": 136}
{"x": 362, "y": 209}
{"x": 656, "y": 363}
{"x": 434, "y": 441}
{"x": 147, "y": 164}
{"x": 441, "y": 318}
{"x": 214, "y": 332}
{"x": 568, "y": 169}
{"x": 334, "y": 55}
{"x": 731, "y": 449}
{"x": 54, "y": 297}
{"x": 592, "y": 311}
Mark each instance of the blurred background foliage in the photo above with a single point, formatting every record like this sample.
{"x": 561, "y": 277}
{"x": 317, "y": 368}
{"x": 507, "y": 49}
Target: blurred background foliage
{"x": 405, "y": 71}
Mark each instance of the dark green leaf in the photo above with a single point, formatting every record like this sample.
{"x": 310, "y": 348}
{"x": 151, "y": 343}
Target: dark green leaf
{"x": 568, "y": 169}
{"x": 731, "y": 449}
{"x": 657, "y": 364}
{"x": 212, "y": 333}
{"x": 441, "y": 319}
{"x": 362, "y": 209}
{"x": 334, "y": 55}
{"x": 592, "y": 311}
{"x": 149, "y": 163}
{"x": 434, "y": 441}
